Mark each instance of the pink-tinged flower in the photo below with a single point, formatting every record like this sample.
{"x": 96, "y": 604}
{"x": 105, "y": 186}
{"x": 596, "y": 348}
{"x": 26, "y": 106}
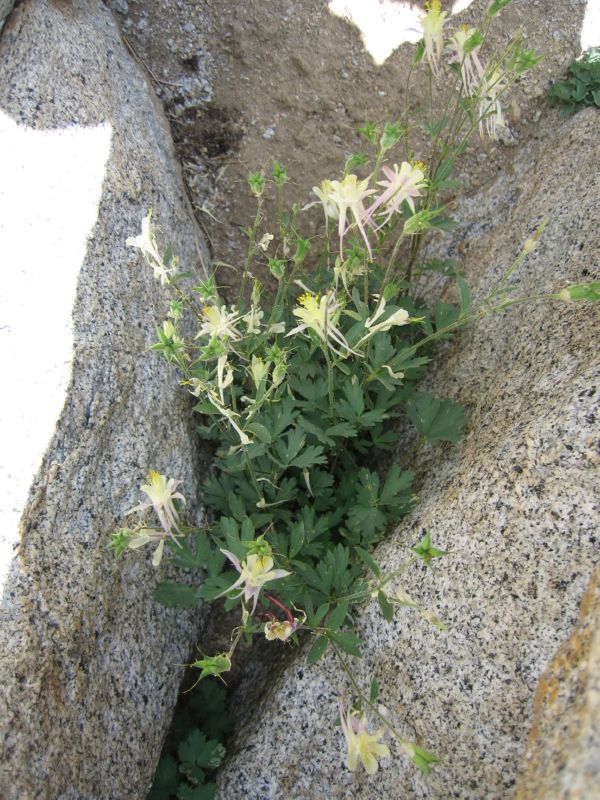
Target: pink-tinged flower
{"x": 255, "y": 571}
{"x": 347, "y": 196}
{"x": 432, "y": 23}
{"x": 471, "y": 69}
{"x": 490, "y": 110}
{"x": 399, "y": 185}
{"x": 161, "y": 493}
{"x": 362, "y": 744}
{"x": 321, "y": 316}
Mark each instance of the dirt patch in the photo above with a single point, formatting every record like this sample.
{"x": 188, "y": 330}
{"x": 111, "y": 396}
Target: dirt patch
{"x": 248, "y": 81}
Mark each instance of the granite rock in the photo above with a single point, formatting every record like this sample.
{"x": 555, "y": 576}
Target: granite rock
{"x": 6, "y": 6}
{"x": 90, "y": 663}
{"x": 515, "y": 502}
{"x": 562, "y": 759}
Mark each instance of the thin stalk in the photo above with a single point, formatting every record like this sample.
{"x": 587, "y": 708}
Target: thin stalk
{"x": 251, "y": 248}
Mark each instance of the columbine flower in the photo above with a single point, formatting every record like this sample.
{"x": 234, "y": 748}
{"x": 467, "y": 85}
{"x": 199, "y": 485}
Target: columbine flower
{"x": 399, "y": 317}
{"x": 348, "y": 195}
{"x": 490, "y": 110}
{"x": 224, "y": 375}
{"x": 432, "y": 23}
{"x": 217, "y": 322}
{"x": 361, "y": 743}
{"x": 321, "y": 316}
{"x": 399, "y": 185}
{"x": 160, "y": 491}
{"x": 255, "y": 571}
{"x": 265, "y": 242}
{"x": 229, "y": 415}
{"x": 252, "y": 319}
{"x": 324, "y": 192}
{"x": 146, "y": 242}
{"x": 471, "y": 69}
{"x": 259, "y": 370}
{"x": 279, "y": 630}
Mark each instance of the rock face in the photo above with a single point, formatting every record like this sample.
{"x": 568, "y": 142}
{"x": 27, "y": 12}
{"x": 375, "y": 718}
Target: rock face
{"x": 6, "y": 7}
{"x": 515, "y": 502}
{"x": 89, "y": 662}
{"x": 563, "y": 752}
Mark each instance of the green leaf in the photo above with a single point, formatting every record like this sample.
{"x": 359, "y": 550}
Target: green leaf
{"x": 343, "y": 429}
{"x": 348, "y": 642}
{"x": 259, "y": 431}
{"x": 338, "y": 616}
{"x": 436, "y": 420}
{"x": 296, "y": 539}
{"x": 308, "y": 457}
{"x": 236, "y": 506}
{"x": 354, "y": 393}
{"x": 426, "y": 552}
{"x": 231, "y": 531}
{"x": 205, "y": 791}
{"x": 419, "y": 52}
{"x": 319, "y": 614}
{"x": 317, "y": 650}
{"x": 387, "y": 609}
{"x": 445, "y": 314}
{"x": 166, "y": 779}
{"x": 197, "y": 753}
{"x": 465, "y": 295}
{"x": 368, "y": 559}
{"x": 287, "y": 449}
{"x": 175, "y": 595}
{"x": 396, "y": 489}
{"x": 374, "y": 691}
{"x": 496, "y": 6}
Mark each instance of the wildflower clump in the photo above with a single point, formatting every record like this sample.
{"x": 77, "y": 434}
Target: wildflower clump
{"x": 301, "y": 389}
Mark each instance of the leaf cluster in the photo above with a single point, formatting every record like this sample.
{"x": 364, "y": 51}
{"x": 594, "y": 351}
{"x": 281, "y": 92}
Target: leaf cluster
{"x": 582, "y": 87}
{"x": 194, "y": 747}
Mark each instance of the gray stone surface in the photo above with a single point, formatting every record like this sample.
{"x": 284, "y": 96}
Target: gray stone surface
{"x": 90, "y": 664}
{"x": 515, "y": 502}
{"x": 563, "y": 752}
{"x": 6, "y": 6}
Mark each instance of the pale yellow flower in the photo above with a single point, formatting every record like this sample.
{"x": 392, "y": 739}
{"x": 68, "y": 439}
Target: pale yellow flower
{"x": 224, "y": 375}
{"x": 471, "y": 69}
{"x": 146, "y": 242}
{"x": 161, "y": 494}
{"x": 324, "y": 192}
{"x": 432, "y": 23}
{"x": 218, "y": 322}
{"x": 399, "y": 317}
{"x": 490, "y": 109}
{"x": 255, "y": 571}
{"x": 362, "y": 744}
{"x": 278, "y": 630}
{"x": 347, "y": 196}
{"x": 321, "y": 316}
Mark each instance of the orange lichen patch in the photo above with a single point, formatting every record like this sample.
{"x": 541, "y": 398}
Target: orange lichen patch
{"x": 565, "y": 704}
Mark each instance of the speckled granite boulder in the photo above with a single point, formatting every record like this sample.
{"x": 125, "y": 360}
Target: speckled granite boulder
{"x": 90, "y": 664}
{"x": 563, "y": 752}
{"x": 6, "y": 6}
{"x": 515, "y": 502}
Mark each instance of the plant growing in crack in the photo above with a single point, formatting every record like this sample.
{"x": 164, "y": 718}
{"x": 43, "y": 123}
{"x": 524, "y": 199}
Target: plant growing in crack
{"x": 300, "y": 389}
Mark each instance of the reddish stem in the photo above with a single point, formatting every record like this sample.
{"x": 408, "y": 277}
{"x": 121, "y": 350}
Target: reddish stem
{"x": 285, "y": 610}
